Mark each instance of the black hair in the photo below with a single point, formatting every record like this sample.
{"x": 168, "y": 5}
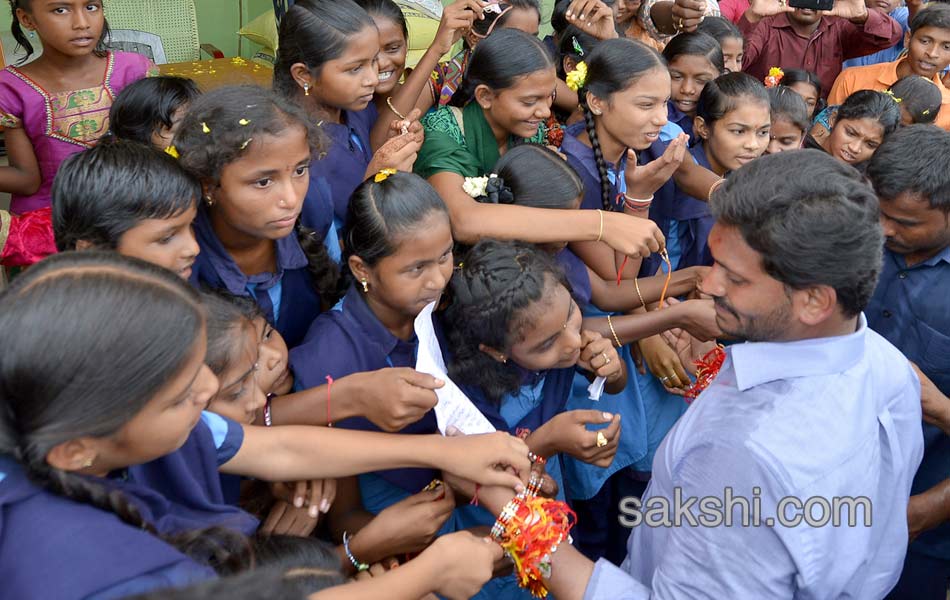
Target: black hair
{"x": 493, "y": 21}
{"x": 388, "y": 9}
{"x": 933, "y": 15}
{"x": 490, "y": 296}
{"x": 719, "y": 28}
{"x": 500, "y": 61}
{"x": 819, "y": 229}
{"x": 103, "y": 192}
{"x": 22, "y": 41}
{"x": 613, "y": 66}
{"x": 559, "y": 17}
{"x": 314, "y": 32}
{"x": 696, "y": 44}
{"x": 868, "y": 104}
{"x": 914, "y": 159}
{"x": 211, "y": 136}
{"x": 575, "y": 44}
{"x": 382, "y": 216}
{"x": 226, "y": 316}
{"x": 919, "y": 96}
{"x": 142, "y": 323}
{"x": 793, "y": 76}
{"x": 146, "y": 105}
{"x": 272, "y": 582}
{"x": 786, "y": 105}
{"x": 538, "y": 177}
{"x": 726, "y": 93}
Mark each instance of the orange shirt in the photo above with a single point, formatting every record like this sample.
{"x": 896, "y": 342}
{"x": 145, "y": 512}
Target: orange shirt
{"x": 879, "y": 78}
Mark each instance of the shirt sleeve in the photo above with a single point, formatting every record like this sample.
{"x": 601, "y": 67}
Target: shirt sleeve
{"x": 228, "y": 435}
{"x": 610, "y": 582}
{"x": 842, "y": 88}
{"x": 11, "y": 104}
{"x": 878, "y": 33}
{"x": 756, "y": 38}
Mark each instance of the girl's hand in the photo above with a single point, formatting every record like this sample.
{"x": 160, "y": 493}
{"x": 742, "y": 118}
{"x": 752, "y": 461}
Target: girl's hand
{"x": 592, "y": 17}
{"x": 316, "y": 495}
{"x": 644, "y": 180}
{"x": 409, "y": 525}
{"x": 599, "y": 356}
{"x": 665, "y": 364}
{"x": 457, "y": 18}
{"x": 487, "y": 459}
{"x": 461, "y": 563}
{"x": 286, "y": 519}
{"x": 394, "y": 398}
{"x": 699, "y": 318}
{"x": 635, "y": 237}
{"x": 397, "y": 153}
{"x": 409, "y": 125}
{"x": 688, "y": 14}
{"x": 570, "y": 435}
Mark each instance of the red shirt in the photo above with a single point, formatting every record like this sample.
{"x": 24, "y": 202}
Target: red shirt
{"x": 773, "y": 43}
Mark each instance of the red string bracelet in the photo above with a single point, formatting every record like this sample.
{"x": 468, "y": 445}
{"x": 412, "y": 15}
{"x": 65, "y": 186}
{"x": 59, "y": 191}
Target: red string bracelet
{"x": 329, "y": 385}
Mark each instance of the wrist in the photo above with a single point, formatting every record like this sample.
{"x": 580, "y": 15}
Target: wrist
{"x": 540, "y": 441}
{"x": 347, "y": 396}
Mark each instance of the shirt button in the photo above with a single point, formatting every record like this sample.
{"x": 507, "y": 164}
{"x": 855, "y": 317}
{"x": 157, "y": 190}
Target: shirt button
{"x": 887, "y": 314}
{"x": 902, "y": 275}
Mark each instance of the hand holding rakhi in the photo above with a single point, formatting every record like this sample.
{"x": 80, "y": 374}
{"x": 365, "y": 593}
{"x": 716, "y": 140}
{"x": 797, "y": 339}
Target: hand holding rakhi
{"x": 405, "y": 124}
{"x": 496, "y": 459}
{"x": 593, "y": 17}
{"x": 644, "y": 180}
{"x": 409, "y": 525}
{"x": 457, "y": 18}
{"x": 665, "y": 364}
{"x": 461, "y": 563}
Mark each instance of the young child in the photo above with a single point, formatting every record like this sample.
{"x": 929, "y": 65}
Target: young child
{"x": 326, "y": 64}
{"x": 808, "y": 87}
{"x": 251, "y": 151}
{"x": 693, "y": 59}
{"x": 56, "y": 105}
{"x": 858, "y": 127}
{"x": 150, "y": 110}
{"x": 790, "y": 122}
{"x": 147, "y": 328}
{"x": 127, "y": 197}
{"x": 504, "y": 101}
{"x": 920, "y": 100}
{"x": 730, "y": 40}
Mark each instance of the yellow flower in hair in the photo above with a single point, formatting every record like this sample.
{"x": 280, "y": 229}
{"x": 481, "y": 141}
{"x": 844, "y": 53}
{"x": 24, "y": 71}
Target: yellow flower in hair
{"x": 893, "y": 97}
{"x": 172, "y": 151}
{"x": 384, "y": 175}
{"x": 244, "y": 122}
{"x": 578, "y": 77}
{"x": 774, "y": 77}
{"x": 205, "y": 128}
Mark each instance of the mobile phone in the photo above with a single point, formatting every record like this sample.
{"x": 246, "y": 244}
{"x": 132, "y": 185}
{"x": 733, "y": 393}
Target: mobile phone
{"x": 812, "y": 4}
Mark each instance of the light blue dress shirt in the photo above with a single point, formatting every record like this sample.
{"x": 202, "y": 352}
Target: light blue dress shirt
{"x": 828, "y": 417}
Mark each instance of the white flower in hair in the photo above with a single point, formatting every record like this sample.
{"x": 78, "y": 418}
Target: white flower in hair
{"x": 476, "y": 187}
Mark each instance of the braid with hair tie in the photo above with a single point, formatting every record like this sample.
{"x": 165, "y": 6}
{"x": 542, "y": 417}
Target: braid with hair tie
{"x": 606, "y": 189}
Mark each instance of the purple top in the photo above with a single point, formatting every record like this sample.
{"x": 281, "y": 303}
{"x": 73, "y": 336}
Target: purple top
{"x": 344, "y": 164}
{"x": 62, "y": 123}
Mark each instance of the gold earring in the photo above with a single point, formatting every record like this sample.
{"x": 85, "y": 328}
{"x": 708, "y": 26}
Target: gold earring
{"x": 365, "y": 285}
{"x": 306, "y": 89}
{"x": 209, "y": 201}
{"x": 88, "y": 463}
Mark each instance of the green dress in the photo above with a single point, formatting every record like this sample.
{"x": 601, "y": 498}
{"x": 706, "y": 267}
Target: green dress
{"x": 472, "y": 154}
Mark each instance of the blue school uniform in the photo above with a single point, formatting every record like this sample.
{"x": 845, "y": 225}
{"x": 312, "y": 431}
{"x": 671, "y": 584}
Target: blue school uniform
{"x": 577, "y": 276}
{"x": 351, "y": 339}
{"x": 343, "y": 166}
{"x": 681, "y": 120}
{"x": 317, "y": 214}
{"x": 581, "y": 158}
{"x": 288, "y": 298}
{"x": 187, "y": 483}
{"x": 59, "y": 549}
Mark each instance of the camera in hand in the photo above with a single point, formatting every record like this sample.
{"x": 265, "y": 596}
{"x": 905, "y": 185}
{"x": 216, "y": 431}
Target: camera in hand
{"x": 812, "y": 4}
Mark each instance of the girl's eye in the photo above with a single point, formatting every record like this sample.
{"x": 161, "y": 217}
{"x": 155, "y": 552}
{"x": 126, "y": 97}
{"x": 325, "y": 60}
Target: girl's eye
{"x": 268, "y": 333}
{"x": 301, "y": 170}
{"x": 356, "y": 69}
{"x": 166, "y": 240}
{"x": 92, "y": 7}
{"x": 263, "y": 183}
{"x": 737, "y": 131}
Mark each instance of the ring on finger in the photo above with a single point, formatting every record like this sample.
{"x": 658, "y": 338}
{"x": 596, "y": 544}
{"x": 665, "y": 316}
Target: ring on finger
{"x": 664, "y": 379}
{"x": 601, "y": 439}
{"x": 606, "y": 358}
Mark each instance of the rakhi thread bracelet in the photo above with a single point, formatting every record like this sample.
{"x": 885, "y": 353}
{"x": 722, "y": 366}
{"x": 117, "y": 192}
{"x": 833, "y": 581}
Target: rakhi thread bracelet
{"x": 636, "y": 203}
{"x": 359, "y": 566}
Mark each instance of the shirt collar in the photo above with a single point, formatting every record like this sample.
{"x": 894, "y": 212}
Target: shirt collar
{"x": 781, "y": 22}
{"x": 933, "y": 261}
{"x": 289, "y": 256}
{"x": 374, "y": 331}
{"x": 755, "y": 363}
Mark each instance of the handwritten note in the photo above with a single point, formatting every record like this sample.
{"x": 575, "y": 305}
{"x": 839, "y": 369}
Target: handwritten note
{"x": 454, "y": 408}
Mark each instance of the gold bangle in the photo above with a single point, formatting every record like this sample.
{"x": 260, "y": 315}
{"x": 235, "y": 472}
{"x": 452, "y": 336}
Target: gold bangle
{"x": 611, "y": 325}
{"x": 600, "y": 234}
{"x": 636, "y": 284}
{"x": 389, "y": 103}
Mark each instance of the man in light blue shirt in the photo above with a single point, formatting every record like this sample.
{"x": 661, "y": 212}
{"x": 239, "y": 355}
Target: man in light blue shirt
{"x": 815, "y": 418}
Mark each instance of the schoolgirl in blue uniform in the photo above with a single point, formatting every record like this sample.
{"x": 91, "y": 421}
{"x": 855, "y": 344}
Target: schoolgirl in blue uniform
{"x": 338, "y": 43}
{"x": 513, "y": 342}
{"x": 251, "y": 150}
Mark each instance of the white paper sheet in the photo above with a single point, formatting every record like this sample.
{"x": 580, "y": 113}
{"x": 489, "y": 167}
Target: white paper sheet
{"x": 454, "y": 408}
{"x": 596, "y": 389}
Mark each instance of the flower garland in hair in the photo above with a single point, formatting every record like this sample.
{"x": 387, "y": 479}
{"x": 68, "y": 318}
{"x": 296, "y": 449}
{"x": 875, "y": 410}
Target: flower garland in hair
{"x": 774, "y": 78}
{"x": 476, "y": 187}
{"x": 577, "y": 78}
